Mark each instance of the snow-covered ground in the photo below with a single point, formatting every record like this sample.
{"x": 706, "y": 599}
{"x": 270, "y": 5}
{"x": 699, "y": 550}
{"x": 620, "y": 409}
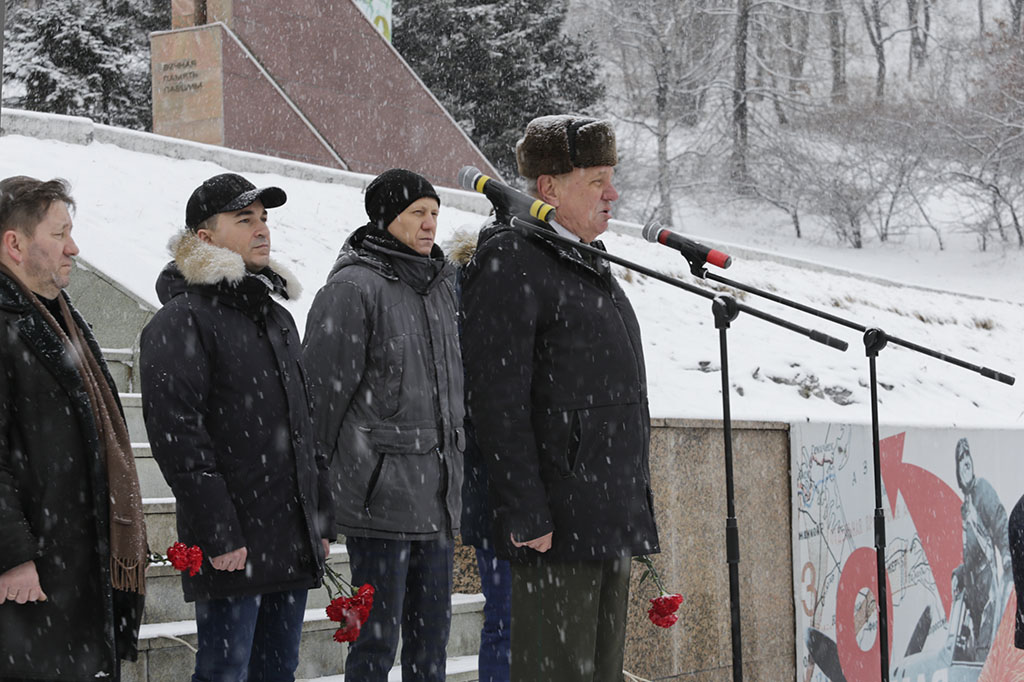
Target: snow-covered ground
{"x": 130, "y": 203}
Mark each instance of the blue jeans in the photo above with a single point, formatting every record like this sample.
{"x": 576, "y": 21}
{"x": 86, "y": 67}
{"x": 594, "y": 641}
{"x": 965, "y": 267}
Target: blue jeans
{"x": 495, "y": 636}
{"x": 412, "y": 580}
{"x": 249, "y": 639}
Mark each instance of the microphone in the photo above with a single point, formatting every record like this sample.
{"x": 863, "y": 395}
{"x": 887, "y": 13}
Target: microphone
{"x": 693, "y": 251}
{"x": 504, "y": 197}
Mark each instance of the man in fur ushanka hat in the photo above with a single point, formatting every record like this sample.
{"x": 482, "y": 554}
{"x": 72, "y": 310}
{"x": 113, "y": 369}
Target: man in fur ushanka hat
{"x": 557, "y": 392}
{"x": 228, "y": 418}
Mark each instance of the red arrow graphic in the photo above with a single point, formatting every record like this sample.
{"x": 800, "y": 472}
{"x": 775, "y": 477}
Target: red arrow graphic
{"x": 933, "y": 507}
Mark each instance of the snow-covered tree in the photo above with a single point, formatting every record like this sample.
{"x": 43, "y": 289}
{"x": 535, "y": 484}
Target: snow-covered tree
{"x": 496, "y": 64}
{"x": 82, "y": 57}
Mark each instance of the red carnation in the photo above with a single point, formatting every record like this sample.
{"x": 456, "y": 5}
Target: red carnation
{"x": 346, "y": 634}
{"x": 344, "y": 610}
{"x": 666, "y": 604}
{"x": 363, "y": 602}
{"x": 336, "y": 609}
{"x": 662, "y": 621}
{"x": 350, "y": 612}
{"x": 663, "y": 607}
{"x": 185, "y": 558}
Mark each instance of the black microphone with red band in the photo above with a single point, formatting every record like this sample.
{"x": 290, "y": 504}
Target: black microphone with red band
{"x": 695, "y": 252}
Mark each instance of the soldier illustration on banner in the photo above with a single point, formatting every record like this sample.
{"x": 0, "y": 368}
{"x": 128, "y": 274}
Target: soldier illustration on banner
{"x": 952, "y": 604}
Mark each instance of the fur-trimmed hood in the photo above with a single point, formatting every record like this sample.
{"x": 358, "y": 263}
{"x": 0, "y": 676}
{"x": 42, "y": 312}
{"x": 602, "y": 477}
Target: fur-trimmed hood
{"x": 461, "y": 246}
{"x": 198, "y": 264}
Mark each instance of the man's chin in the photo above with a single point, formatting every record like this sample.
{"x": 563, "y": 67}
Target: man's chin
{"x": 257, "y": 264}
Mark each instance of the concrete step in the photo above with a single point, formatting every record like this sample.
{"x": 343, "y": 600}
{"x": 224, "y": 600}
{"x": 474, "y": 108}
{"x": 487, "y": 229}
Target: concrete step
{"x": 164, "y": 601}
{"x": 151, "y": 481}
{"x": 132, "y": 404}
{"x": 166, "y": 650}
{"x": 121, "y": 363}
{"x": 161, "y": 529}
{"x": 458, "y": 669}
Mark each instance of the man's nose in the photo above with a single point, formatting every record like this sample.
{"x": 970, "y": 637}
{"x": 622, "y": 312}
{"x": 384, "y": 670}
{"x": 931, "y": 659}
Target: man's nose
{"x": 71, "y": 248}
{"x": 610, "y": 194}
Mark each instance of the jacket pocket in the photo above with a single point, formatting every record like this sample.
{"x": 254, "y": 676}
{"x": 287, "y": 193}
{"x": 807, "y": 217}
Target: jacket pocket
{"x": 373, "y": 485}
{"x": 403, "y": 491}
{"x": 403, "y": 439}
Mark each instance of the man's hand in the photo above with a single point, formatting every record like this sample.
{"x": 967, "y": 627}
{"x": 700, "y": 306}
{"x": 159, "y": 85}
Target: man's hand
{"x": 327, "y": 548}
{"x": 21, "y": 584}
{"x": 232, "y": 561}
{"x": 541, "y": 544}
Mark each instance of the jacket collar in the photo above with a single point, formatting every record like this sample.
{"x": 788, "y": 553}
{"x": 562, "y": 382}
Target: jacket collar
{"x": 200, "y": 265}
{"x": 420, "y": 272}
{"x": 38, "y": 335}
{"x": 597, "y": 266}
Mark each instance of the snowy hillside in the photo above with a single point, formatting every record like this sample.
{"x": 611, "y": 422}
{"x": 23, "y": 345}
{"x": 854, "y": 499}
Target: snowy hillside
{"x": 130, "y": 203}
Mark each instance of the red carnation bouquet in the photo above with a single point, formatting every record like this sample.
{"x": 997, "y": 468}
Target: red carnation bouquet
{"x": 181, "y": 557}
{"x": 663, "y": 607}
{"x": 350, "y": 612}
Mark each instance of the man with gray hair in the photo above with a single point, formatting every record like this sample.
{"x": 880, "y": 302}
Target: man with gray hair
{"x": 557, "y": 392}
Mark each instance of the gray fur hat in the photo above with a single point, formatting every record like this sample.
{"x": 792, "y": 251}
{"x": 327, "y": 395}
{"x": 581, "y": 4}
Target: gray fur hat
{"x": 553, "y": 145}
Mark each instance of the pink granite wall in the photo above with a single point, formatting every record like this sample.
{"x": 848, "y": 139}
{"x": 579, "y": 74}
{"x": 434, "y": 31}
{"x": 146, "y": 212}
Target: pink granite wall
{"x": 345, "y": 78}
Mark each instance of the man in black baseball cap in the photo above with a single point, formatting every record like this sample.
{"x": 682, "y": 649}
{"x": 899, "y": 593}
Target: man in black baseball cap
{"x": 226, "y": 410}
{"x": 230, "y": 212}
{"x": 227, "y": 192}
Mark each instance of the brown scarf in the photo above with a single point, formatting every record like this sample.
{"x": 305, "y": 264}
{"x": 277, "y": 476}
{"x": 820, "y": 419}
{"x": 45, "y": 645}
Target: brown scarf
{"x": 128, "y": 546}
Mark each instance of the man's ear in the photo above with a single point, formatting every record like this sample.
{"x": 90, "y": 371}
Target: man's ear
{"x": 12, "y": 245}
{"x": 547, "y": 188}
{"x": 204, "y": 235}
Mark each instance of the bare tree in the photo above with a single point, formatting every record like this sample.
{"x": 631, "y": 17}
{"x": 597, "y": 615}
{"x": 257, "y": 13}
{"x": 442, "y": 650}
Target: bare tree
{"x": 1016, "y": 9}
{"x": 666, "y": 55}
{"x": 871, "y": 10}
{"x": 739, "y": 173}
{"x": 919, "y": 19}
{"x": 836, "y": 21}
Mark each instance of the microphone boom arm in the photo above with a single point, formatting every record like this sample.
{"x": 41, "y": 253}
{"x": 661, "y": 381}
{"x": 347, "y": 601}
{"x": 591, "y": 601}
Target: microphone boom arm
{"x": 817, "y": 336}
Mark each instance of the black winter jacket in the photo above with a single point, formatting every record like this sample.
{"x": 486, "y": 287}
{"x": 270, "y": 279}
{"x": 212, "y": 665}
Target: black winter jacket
{"x": 382, "y": 349}
{"x": 557, "y": 394}
{"x": 54, "y": 509}
{"x": 227, "y": 411}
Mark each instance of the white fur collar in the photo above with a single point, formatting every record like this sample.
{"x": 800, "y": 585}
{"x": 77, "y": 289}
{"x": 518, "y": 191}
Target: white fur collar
{"x": 202, "y": 263}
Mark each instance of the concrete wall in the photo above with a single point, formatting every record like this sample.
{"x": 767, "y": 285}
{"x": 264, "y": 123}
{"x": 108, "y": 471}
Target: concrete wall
{"x": 688, "y": 472}
{"x": 117, "y": 317}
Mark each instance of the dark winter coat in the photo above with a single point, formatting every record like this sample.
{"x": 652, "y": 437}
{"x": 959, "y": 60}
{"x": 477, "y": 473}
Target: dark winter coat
{"x": 1016, "y": 548}
{"x": 382, "y": 349}
{"x": 54, "y": 509}
{"x": 227, "y": 411}
{"x": 477, "y": 513}
{"x": 557, "y": 393}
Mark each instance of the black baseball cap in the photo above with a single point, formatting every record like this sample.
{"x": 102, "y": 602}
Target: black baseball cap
{"x": 228, "y": 192}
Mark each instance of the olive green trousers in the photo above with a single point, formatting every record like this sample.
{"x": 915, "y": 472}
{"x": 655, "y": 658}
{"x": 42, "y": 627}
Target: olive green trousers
{"x": 569, "y": 620}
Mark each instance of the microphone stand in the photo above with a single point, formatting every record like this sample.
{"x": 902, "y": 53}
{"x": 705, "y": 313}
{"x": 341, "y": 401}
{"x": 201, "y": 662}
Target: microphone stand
{"x": 874, "y": 341}
{"x": 725, "y": 309}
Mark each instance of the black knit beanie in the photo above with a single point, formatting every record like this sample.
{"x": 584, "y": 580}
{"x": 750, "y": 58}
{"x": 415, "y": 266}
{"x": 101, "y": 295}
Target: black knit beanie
{"x": 392, "y": 191}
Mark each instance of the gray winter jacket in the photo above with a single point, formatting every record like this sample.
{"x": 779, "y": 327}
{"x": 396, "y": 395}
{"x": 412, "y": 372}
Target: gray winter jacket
{"x": 385, "y": 369}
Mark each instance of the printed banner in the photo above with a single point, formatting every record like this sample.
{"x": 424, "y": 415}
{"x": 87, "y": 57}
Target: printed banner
{"x": 379, "y": 14}
{"x": 946, "y": 496}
